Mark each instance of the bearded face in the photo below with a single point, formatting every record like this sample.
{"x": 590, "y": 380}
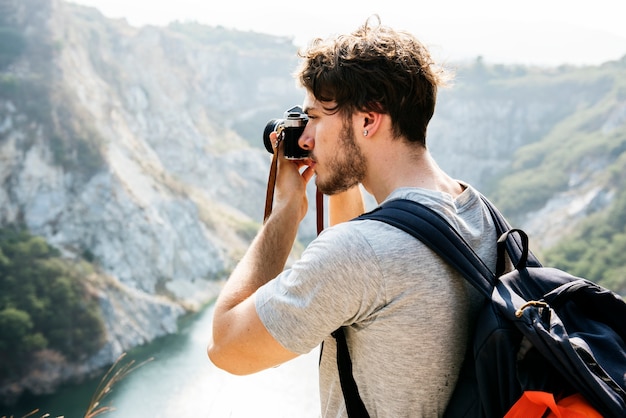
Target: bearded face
{"x": 345, "y": 167}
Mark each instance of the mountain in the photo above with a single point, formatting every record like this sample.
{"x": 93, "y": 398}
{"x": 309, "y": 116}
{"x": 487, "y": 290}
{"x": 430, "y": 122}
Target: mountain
{"x": 548, "y": 146}
{"x": 133, "y": 171}
{"x": 123, "y": 147}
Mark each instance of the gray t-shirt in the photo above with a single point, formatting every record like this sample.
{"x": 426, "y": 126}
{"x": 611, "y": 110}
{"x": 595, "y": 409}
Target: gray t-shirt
{"x": 408, "y": 314}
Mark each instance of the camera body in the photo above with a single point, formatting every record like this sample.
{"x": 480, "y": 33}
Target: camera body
{"x": 289, "y": 129}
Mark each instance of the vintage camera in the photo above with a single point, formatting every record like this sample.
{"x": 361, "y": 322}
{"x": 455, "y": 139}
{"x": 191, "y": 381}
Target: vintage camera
{"x": 289, "y": 131}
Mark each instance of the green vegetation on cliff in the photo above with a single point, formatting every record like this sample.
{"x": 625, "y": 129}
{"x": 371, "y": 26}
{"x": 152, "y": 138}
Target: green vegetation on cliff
{"x": 44, "y": 303}
{"x": 597, "y": 250}
{"x": 583, "y": 148}
{"x": 580, "y": 144}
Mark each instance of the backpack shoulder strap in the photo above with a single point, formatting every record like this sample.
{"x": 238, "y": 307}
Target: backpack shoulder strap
{"x": 434, "y": 231}
{"x": 515, "y": 247}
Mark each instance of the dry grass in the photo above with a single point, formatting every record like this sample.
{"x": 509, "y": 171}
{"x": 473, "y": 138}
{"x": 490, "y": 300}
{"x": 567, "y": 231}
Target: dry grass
{"x": 115, "y": 374}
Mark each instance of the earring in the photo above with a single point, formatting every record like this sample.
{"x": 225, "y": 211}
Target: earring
{"x": 365, "y": 132}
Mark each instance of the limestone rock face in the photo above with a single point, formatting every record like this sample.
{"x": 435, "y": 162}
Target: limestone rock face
{"x": 120, "y": 145}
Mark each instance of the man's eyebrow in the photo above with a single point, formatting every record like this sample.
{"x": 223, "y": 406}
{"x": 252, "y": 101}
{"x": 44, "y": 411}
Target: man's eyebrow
{"x": 310, "y": 108}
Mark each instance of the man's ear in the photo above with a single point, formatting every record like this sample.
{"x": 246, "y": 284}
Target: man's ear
{"x": 371, "y": 122}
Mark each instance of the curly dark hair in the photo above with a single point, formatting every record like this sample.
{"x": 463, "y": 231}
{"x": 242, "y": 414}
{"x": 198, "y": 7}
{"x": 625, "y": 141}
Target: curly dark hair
{"x": 375, "y": 68}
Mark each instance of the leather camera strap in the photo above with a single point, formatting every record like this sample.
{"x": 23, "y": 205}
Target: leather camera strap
{"x": 271, "y": 182}
{"x": 269, "y": 196}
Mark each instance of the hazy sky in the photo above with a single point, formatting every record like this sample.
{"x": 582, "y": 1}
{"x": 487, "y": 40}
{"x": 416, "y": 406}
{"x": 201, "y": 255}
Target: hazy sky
{"x": 545, "y": 32}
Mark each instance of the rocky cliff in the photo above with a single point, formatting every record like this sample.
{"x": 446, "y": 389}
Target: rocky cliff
{"x": 120, "y": 145}
{"x": 540, "y": 142}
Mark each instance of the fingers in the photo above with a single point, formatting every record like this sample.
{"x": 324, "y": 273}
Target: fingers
{"x": 307, "y": 174}
{"x": 273, "y": 140}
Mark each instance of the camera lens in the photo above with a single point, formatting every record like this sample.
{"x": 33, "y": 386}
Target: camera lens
{"x": 269, "y": 128}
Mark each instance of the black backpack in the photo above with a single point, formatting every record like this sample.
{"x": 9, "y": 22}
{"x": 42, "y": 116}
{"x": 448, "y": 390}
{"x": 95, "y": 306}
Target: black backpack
{"x": 540, "y": 328}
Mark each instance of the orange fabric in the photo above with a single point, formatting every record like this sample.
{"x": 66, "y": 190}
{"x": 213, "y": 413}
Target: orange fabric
{"x": 535, "y": 404}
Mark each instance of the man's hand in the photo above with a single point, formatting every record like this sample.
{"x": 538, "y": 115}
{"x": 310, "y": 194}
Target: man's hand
{"x": 290, "y": 188}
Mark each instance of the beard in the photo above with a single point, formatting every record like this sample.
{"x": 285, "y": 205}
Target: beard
{"x": 346, "y": 168}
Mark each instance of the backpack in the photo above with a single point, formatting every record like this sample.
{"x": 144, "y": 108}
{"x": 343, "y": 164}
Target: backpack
{"x": 539, "y": 330}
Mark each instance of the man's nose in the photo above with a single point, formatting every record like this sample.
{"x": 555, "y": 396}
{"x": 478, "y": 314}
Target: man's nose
{"x": 306, "y": 141}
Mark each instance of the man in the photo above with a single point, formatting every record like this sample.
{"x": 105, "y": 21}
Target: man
{"x": 369, "y": 97}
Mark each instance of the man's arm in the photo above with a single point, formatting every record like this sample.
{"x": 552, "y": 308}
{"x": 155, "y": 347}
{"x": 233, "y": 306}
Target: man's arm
{"x": 241, "y": 344}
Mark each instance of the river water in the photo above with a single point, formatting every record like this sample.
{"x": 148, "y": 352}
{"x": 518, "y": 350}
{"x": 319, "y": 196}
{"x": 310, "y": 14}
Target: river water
{"x": 181, "y": 382}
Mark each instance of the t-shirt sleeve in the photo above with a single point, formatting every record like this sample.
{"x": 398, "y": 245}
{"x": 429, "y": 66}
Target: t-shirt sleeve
{"x": 336, "y": 282}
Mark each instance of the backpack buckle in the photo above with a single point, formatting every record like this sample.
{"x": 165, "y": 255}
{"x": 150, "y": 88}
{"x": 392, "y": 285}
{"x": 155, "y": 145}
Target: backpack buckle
{"x": 532, "y": 303}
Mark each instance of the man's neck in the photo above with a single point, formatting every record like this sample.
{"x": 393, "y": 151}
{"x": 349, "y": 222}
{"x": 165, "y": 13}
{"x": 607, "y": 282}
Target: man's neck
{"x": 404, "y": 166}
